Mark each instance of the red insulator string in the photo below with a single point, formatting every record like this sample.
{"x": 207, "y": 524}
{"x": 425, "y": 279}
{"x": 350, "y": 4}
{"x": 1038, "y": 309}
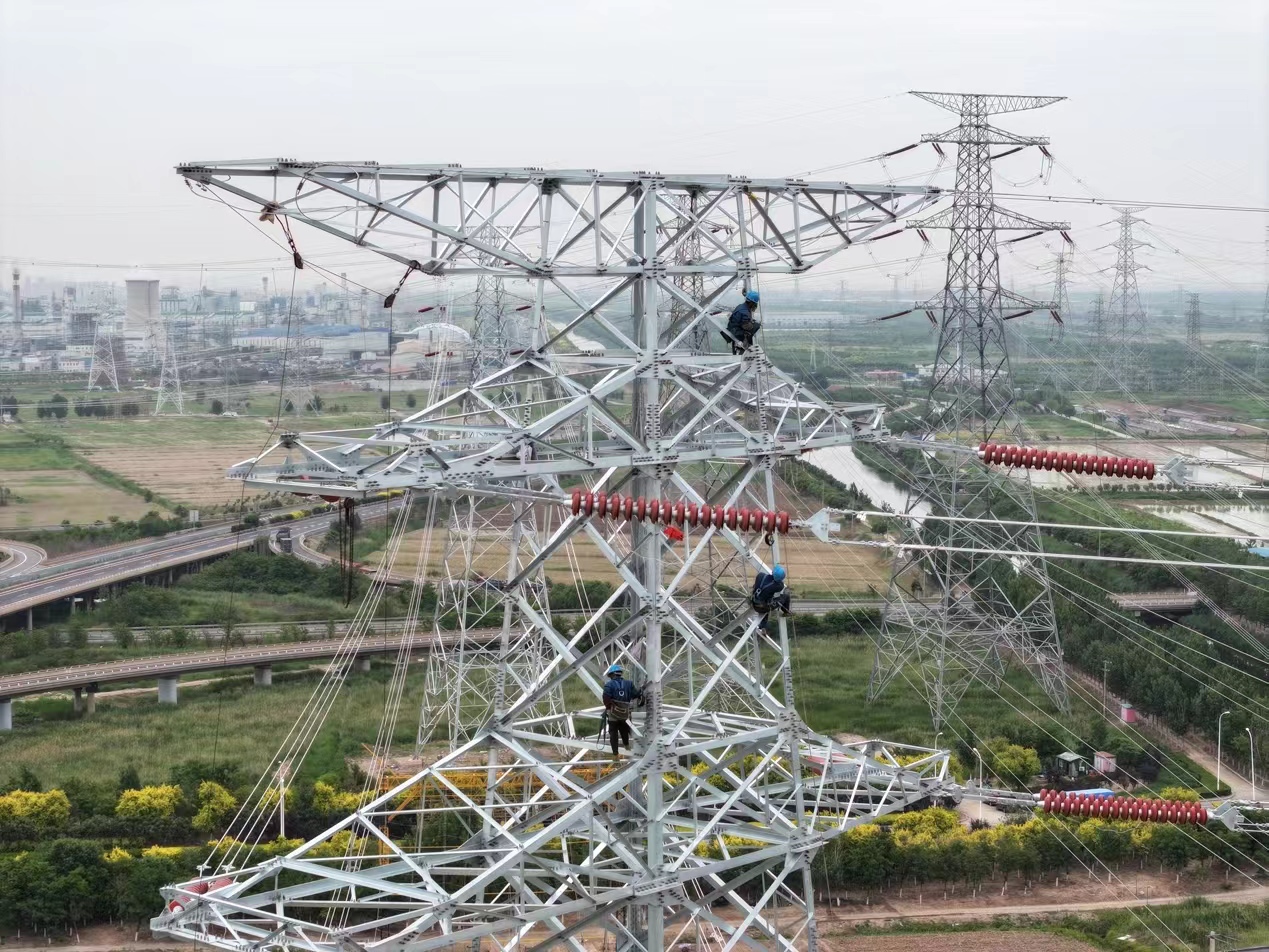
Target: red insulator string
{"x": 678, "y": 513}
{"x": 1123, "y": 808}
{"x": 1029, "y": 457}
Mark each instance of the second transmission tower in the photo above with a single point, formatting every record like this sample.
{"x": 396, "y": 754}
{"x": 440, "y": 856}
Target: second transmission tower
{"x": 953, "y": 617}
{"x": 1125, "y": 358}
{"x": 1194, "y": 379}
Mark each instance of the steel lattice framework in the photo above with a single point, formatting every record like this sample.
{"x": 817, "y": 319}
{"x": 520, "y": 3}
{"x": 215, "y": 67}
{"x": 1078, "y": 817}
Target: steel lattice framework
{"x": 103, "y": 372}
{"x": 170, "y": 396}
{"x": 1125, "y": 315}
{"x": 951, "y": 617}
{"x": 706, "y": 832}
{"x": 1194, "y": 376}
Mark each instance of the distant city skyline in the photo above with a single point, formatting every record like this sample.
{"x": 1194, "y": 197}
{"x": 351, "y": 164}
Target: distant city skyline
{"x": 1167, "y": 103}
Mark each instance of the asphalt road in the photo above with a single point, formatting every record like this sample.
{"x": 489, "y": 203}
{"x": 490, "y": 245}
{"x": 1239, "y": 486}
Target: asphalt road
{"x": 22, "y": 559}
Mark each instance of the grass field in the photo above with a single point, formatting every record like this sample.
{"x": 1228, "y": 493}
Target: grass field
{"x": 237, "y": 722}
{"x": 229, "y": 722}
{"x": 47, "y": 496}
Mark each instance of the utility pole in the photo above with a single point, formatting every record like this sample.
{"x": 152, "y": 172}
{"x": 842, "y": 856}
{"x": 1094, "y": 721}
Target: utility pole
{"x": 951, "y": 617}
{"x": 1194, "y": 379}
{"x": 1105, "y": 693}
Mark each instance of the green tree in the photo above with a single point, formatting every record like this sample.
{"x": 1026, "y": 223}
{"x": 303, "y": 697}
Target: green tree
{"x": 77, "y": 631}
{"x": 129, "y": 779}
{"x": 123, "y": 635}
{"x": 215, "y": 806}
{"x": 384, "y": 402}
{"x": 1012, "y": 763}
{"x": 145, "y": 877}
{"x": 179, "y": 637}
{"x": 217, "y": 407}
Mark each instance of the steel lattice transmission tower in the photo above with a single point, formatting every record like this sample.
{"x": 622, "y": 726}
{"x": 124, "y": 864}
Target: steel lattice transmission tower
{"x": 954, "y": 618}
{"x": 1195, "y": 376}
{"x": 297, "y": 385}
{"x": 1262, "y": 355}
{"x": 103, "y": 373}
{"x": 1061, "y": 298}
{"x": 170, "y": 396}
{"x": 494, "y": 331}
{"x": 1125, "y": 315}
{"x": 484, "y": 547}
{"x": 561, "y": 846}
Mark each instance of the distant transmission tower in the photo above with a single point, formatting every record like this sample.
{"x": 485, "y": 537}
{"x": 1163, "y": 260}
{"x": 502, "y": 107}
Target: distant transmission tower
{"x": 1262, "y": 355}
{"x": 103, "y": 373}
{"x": 170, "y": 396}
{"x": 493, "y": 328}
{"x": 953, "y": 617}
{"x": 1101, "y": 333}
{"x": 1194, "y": 378}
{"x": 1126, "y": 317}
{"x": 1061, "y": 299}
{"x": 688, "y": 252}
{"x": 297, "y": 387}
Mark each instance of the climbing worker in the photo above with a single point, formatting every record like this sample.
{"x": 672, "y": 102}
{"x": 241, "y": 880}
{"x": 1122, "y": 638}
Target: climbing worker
{"x": 770, "y": 592}
{"x": 742, "y": 326}
{"x": 619, "y": 700}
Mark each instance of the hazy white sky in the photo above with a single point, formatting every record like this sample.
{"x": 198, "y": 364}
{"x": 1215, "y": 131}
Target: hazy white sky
{"x": 100, "y": 99}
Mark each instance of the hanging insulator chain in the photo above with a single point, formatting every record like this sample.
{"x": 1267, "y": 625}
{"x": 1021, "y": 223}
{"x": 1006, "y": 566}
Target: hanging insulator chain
{"x": 668, "y": 513}
{"x": 1028, "y": 457}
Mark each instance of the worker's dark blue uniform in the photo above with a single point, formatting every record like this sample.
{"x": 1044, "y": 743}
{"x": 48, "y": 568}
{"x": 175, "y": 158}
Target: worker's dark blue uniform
{"x": 741, "y": 326}
{"x": 619, "y": 700}
{"x": 768, "y": 593}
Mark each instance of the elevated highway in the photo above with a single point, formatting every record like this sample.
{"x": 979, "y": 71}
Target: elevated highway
{"x": 83, "y": 576}
{"x": 167, "y": 669}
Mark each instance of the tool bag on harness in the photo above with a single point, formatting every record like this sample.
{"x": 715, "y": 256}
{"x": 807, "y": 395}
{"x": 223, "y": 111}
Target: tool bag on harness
{"x": 619, "y": 711}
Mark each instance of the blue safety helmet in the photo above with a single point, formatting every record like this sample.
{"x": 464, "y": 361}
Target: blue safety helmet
{"x": 613, "y": 669}
{"x": 777, "y": 573}
{"x": 751, "y": 296}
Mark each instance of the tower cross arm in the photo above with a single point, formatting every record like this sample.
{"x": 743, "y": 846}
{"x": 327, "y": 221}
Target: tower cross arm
{"x": 1002, "y": 219}
{"x": 985, "y": 104}
{"x": 984, "y": 134}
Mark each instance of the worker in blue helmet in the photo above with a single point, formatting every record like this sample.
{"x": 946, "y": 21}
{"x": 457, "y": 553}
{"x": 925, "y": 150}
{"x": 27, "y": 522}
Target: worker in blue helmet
{"x": 742, "y": 325}
{"x": 770, "y": 592}
{"x": 620, "y": 696}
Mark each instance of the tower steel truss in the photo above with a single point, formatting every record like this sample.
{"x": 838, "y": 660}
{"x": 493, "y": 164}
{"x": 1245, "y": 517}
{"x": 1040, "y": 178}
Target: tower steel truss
{"x": 1125, "y": 315}
{"x": 103, "y": 372}
{"x": 706, "y": 831}
{"x": 1194, "y": 375}
{"x": 954, "y": 618}
{"x": 171, "y": 397}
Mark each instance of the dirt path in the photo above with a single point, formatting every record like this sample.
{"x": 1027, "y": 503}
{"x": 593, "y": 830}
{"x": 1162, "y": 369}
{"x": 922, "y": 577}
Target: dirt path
{"x": 890, "y": 910}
